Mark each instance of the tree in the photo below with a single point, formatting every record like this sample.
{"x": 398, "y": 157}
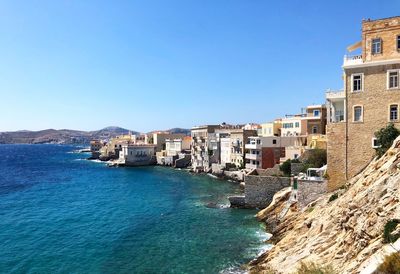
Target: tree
{"x": 286, "y": 167}
{"x": 385, "y": 137}
{"x": 315, "y": 158}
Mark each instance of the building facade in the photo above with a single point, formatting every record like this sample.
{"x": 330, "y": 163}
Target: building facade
{"x": 137, "y": 154}
{"x": 266, "y": 152}
{"x": 271, "y": 128}
{"x": 370, "y": 100}
{"x": 159, "y": 139}
{"x": 203, "y": 146}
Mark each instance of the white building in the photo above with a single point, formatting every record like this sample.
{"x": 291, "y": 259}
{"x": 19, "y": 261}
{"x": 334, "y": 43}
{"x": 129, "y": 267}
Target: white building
{"x": 137, "y": 154}
{"x": 294, "y": 125}
{"x": 175, "y": 146}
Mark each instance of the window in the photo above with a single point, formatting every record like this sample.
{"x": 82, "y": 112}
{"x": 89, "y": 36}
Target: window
{"x": 314, "y": 130}
{"x": 357, "y": 82}
{"x": 398, "y": 42}
{"x": 393, "y": 113}
{"x": 376, "y": 46}
{"x": 274, "y": 141}
{"x": 297, "y": 124}
{"x": 393, "y": 79}
{"x": 258, "y": 141}
{"x": 316, "y": 113}
{"x": 375, "y": 143}
{"x": 357, "y": 114}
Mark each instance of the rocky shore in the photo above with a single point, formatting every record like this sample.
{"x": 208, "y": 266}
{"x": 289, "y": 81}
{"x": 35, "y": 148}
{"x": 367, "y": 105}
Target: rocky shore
{"x": 342, "y": 230}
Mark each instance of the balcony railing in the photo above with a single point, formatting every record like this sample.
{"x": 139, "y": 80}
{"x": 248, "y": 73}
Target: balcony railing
{"x": 349, "y": 60}
{"x": 251, "y": 156}
{"x": 334, "y": 94}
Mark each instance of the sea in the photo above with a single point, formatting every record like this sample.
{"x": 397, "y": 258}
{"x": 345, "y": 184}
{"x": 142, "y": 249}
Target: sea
{"x": 61, "y": 213}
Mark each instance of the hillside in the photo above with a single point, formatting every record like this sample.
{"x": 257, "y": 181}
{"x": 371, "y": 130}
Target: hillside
{"x": 62, "y": 136}
{"x": 67, "y": 136}
{"x": 345, "y": 233}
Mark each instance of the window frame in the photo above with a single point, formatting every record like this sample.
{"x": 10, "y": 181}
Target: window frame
{"x": 380, "y": 46}
{"x": 388, "y": 79}
{"x": 373, "y": 145}
{"x": 362, "y": 114}
{"x": 398, "y": 42}
{"x": 362, "y": 82}
{"x": 390, "y": 112}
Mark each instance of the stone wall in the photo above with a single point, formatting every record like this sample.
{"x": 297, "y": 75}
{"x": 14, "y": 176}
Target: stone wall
{"x": 308, "y": 191}
{"x": 259, "y": 190}
{"x": 336, "y": 155}
{"x": 183, "y": 161}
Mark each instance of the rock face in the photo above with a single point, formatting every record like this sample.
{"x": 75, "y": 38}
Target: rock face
{"x": 344, "y": 233}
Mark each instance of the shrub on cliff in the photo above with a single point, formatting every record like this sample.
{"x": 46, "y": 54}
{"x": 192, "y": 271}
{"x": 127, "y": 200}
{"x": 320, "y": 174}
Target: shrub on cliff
{"x": 385, "y": 137}
{"x": 390, "y": 227}
{"x": 312, "y": 268}
{"x": 391, "y": 265}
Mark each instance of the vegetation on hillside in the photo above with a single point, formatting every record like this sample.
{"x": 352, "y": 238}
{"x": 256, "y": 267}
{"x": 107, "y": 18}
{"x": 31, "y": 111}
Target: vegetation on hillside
{"x": 385, "y": 137}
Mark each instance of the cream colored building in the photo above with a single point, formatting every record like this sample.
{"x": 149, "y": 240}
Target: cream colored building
{"x": 159, "y": 139}
{"x": 271, "y": 128}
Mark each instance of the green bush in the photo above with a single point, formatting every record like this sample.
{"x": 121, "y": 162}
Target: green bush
{"x": 312, "y": 268}
{"x": 390, "y": 226}
{"x": 385, "y": 137}
{"x": 286, "y": 167}
{"x": 333, "y": 197}
{"x": 315, "y": 158}
{"x": 391, "y": 265}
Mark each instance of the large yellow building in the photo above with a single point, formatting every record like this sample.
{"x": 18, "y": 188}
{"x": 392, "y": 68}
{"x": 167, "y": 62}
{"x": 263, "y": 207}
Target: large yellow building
{"x": 369, "y": 101}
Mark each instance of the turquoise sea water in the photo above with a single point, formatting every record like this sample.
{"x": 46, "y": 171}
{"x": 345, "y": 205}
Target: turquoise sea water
{"x": 62, "y": 214}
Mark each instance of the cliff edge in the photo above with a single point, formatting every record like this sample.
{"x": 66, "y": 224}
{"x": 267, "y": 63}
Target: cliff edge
{"x": 345, "y": 233}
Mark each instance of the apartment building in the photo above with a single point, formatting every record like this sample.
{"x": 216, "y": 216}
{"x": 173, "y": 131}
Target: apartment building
{"x": 203, "y": 147}
{"x": 239, "y": 139}
{"x": 294, "y": 125}
{"x": 159, "y": 139}
{"x": 175, "y": 146}
{"x": 369, "y": 101}
{"x": 266, "y": 152}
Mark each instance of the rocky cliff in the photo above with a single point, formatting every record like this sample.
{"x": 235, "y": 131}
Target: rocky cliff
{"x": 345, "y": 233}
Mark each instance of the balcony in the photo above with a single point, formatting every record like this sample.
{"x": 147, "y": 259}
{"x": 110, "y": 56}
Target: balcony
{"x": 251, "y": 156}
{"x": 350, "y": 60}
{"x": 251, "y": 166}
{"x": 334, "y": 95}
{"x": 253, "y": 146}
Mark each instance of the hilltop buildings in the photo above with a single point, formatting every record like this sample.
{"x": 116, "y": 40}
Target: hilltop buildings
{"x": 369, "y": 101}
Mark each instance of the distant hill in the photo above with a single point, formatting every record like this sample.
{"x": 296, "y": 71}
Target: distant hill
{"x": 62, "y": 136}
{"x": 173, "y": 131}
{"x": 68, "y": 136}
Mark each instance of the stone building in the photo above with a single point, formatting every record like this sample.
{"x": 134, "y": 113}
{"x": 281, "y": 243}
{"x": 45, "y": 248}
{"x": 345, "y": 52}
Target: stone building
{"x": 315, "y": 119}
{"x": 370, "y": 99}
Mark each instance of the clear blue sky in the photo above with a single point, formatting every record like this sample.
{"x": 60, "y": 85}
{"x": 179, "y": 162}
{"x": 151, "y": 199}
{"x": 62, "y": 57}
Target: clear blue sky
{"x": 147, "y": 65}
